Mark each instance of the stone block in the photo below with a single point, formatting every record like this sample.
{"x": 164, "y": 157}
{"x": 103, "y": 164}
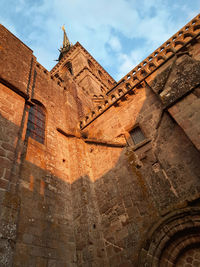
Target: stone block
{"x": 4, "y": 163}
{"x": 3, "y": 184}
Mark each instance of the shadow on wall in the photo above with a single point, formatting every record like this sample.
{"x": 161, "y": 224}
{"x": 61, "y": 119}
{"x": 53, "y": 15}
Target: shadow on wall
{"x": 49, "y": 221}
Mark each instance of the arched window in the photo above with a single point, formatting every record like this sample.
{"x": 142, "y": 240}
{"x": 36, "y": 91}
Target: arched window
{"x": 69, "y": 67}
{"x": 36, "y": 123}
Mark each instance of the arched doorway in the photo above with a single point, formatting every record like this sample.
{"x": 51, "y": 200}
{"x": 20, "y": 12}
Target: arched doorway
{"x": 173, "y": 241}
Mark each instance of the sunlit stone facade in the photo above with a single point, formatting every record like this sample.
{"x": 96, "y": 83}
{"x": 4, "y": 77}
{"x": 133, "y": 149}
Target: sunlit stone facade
{"x": 95, "y": 172}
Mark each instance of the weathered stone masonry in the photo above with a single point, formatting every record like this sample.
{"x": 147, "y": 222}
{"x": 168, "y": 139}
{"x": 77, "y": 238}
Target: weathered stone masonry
{"x": 88, "y": 195}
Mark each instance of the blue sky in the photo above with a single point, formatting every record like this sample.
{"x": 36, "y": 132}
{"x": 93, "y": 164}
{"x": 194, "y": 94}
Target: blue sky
{"x": 117, "y": 33}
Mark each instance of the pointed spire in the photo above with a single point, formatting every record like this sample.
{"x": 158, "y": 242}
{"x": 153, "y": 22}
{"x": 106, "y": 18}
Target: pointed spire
{"x": 66, "y": 44}
{"x": 65, "y": 38}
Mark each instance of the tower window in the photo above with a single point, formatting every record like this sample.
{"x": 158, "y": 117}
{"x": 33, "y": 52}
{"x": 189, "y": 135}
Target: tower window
{"x": 69, "y": 67}
{"x": 36, "y": 123}
{"x": 137, "y": 135}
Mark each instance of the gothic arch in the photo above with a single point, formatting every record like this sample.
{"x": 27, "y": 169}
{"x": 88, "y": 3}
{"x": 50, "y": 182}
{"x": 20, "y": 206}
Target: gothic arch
{"x": 173, "y": 240}
{"x": 68, "y": 68}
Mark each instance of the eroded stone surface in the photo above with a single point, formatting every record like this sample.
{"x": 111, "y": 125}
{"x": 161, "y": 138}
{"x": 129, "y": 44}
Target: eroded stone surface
{"x": 93, "y": 197}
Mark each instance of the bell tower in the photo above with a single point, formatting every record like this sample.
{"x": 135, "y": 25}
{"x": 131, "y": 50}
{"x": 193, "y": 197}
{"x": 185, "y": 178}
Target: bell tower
{"x": 75, "y": 62}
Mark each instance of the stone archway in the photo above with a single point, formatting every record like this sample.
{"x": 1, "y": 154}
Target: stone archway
{"x": 190, "y": 257}
{"x": 173, "y": 241}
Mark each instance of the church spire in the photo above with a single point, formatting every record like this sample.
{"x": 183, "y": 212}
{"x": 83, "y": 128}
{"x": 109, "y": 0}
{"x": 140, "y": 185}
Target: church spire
{"x": 65, "y": 38}
{"x": 66, "y": 44}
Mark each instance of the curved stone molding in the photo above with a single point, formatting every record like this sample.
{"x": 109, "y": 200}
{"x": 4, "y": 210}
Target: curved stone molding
{"x": 171, "y": 238}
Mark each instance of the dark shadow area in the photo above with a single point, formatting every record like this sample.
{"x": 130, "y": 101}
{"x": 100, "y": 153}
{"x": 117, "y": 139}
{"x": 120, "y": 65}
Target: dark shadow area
{"x": 101, "y": 223}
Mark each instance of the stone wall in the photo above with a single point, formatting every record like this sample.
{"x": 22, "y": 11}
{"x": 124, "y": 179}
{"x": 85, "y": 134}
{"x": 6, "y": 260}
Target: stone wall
{"x": 17, "y": 61}
{"x": 135, "y": 187}
{"x": 10, "y": 143}
{"x": 35, "y": 182}
{"x": 150, "y": 180}
{"x": 93, "y": 197}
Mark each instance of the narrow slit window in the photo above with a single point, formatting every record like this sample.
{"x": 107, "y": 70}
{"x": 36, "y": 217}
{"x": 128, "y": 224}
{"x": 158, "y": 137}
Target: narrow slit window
{"x": 91, "y": 65}
{"x": 100, "y": 73}
{"x": 137, "y": 135}
{"x": 36, "y": 123}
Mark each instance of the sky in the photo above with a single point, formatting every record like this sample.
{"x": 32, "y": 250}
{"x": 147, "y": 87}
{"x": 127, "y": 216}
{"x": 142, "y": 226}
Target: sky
{"x": 117, "y": 33}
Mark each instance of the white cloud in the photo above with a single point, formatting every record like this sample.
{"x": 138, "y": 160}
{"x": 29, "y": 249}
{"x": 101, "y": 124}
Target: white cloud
{"x": 20, "y": 5}
{"x": 127, "y": 62}
{"x": 8, "y": 24}
{"x": 97, "y": 24}
{"x": 115, "y": 44}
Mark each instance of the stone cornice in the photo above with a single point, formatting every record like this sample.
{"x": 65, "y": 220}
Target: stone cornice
{"x": 93, "y": 140}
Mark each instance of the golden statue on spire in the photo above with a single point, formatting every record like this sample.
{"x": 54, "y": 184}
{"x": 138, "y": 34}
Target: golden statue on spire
{"x": 66, "y": 44}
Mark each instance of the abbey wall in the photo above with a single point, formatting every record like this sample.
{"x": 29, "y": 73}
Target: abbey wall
{"x": 95, "y": 172}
